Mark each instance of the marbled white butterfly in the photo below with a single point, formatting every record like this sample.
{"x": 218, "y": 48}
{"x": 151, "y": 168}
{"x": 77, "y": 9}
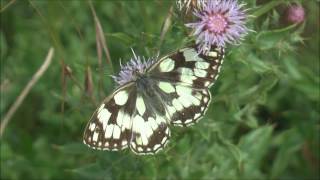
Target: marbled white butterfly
{"x": 173, "y": 90}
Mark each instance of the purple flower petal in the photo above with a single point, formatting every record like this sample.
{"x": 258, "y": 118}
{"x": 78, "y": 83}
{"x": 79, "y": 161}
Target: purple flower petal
{"x": 219, "y": 22}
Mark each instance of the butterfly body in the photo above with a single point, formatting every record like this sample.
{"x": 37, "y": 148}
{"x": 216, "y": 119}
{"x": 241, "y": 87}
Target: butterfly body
{"x": 173, "y": 90}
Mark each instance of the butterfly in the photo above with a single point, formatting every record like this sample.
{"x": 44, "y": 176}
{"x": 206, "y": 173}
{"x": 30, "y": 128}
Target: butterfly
{"x": 172, "y": 90}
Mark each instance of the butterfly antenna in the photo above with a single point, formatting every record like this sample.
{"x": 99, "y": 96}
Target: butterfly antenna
{"x": 134, "y": 54}
{"x": 154, "y": 58}
{"x": 120, "y": 63}
{"x": 158, "y": 54}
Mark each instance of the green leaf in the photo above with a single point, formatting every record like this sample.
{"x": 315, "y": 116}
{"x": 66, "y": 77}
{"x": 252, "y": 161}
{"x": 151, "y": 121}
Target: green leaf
{"x": 258, "y": 65}
{"x": 92, "y": 171}
{"x": 292, "y": 68}
{"x": 254, "y": 146}
{"x": 290, "y": 143}
{"x": 73, "y": 148}
{"x": 272, "y": 39}
{"x": 256, "y": 141}
{"x": 124, "y": 38}
{"x": 236, "y": 152}
{"x": 3, "y": 45}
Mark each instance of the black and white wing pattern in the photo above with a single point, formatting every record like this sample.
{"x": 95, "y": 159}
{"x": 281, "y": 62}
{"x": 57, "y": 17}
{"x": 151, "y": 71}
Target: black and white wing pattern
{"x": 150, "y": 130}
{"x": 130, "y": 117}
{"x": 110, "y": 125}
{"x": 174, "y": 90}
{"x": 183, "y": 81}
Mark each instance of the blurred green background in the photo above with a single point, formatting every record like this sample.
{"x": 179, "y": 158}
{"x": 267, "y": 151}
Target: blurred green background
{"x": 263, "y": 122}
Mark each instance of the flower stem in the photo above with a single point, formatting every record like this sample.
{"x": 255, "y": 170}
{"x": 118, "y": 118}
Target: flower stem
{"x": 267, "y": 7}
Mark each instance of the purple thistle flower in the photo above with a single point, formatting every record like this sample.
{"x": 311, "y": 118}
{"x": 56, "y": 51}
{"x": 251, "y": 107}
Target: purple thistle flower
{"x": 136, "y": 65}
{"x": 219, "y": 22}
{"x": 295, "y": 14}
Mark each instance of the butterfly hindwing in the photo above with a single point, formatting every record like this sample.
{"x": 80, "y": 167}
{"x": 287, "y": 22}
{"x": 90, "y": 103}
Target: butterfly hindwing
{"x": 110, "y": 126}
{"x": 185, "y": 105}
{"x": 199, "y": 102}
{"x": 150, "y": 131}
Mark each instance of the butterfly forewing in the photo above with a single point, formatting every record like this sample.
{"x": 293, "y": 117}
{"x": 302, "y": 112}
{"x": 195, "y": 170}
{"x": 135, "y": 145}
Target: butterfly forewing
{"x": 183, "y": 81}
{"x": 190, "y": 68}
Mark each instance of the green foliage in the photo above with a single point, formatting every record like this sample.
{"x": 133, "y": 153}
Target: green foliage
{"x": 263, "y": 122}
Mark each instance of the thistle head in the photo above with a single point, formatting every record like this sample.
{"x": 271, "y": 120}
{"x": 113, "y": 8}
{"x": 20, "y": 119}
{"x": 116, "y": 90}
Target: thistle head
{"x": 135, "y": 67}
{"x": 218, "y": 23}
{"x": 295, "y": 14}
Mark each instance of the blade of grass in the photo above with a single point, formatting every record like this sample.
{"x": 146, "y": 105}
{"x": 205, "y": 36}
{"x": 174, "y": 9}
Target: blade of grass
{"x": 101, "y": 38}
{"x": 165, "y": 27}
{"x": 77, "y": 83}
{"x": 26, "y": 90}
{"x": 78, "y": 29}
{"x": 59, "y": 48}
{"x": 88, "y": 83}
{"x": 51, "y": 32}
{"x": 99, "y": 52}
{"x": 63, "y": 85}
{"x": 266, "y": 8}
{"x": 6, "y": 6}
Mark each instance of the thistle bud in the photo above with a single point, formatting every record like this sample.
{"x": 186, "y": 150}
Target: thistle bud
{"x": 295, "y": 14}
